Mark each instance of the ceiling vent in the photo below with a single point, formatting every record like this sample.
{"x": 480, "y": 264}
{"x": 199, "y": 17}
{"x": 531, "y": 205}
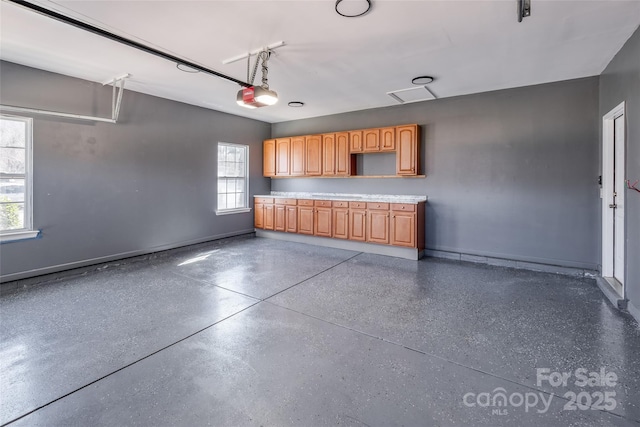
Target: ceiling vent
{"x": 412, "y": 94}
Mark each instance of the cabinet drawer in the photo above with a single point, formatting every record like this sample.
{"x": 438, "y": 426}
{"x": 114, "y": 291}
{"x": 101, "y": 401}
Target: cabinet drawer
{"x": 378, "y": 206}
{"x": 403, "y": 207}
{"x": 357, "y": 205}
{"x": 305, "y": 202}
{"x": 340, "y": 204}
{"x": 323, "y": 203}
{"x": 291, "y": 202}
{"x": 263, "y": 199}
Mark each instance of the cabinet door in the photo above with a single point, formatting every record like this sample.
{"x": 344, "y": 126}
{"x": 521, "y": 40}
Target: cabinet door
{"x": 279, "y": 224}
{"x": 340, "y": 223}
{"x": 407, "y": 150}
{"x": 357, "y": 224}
{"x": 297, "y": 155}
{"x": 371, "y": 140}
{"x": 258, "y": 218}
{"x": 282, "y": 156}
{"x": 322, "y": 222}
{"x": 343, "y": 157}
{"x": 355, "y": 141}
{"x": 378, "y": 227}
{"x": 269, "y": 157}
{"x": 269, "y": 217}
{"x": 388, "y": 139}
{"x": 329, "y": 154}
{"x": 291, "y": 222}
{"x": 313, "y": 159}
{"x": 305, "y": 219}
{"x": 403, "y": 229}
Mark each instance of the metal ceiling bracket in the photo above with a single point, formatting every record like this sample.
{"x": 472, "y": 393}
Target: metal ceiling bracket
{"x": 116, "y": 101}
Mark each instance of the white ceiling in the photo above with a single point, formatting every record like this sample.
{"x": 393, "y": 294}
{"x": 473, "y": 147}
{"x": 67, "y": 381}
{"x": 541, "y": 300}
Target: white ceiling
{"x": 331, "y": 63}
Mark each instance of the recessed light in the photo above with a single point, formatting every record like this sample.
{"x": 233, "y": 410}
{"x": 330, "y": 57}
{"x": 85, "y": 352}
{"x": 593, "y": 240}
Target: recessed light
{"x": 352, "y": 8}
{"x": 422, "y": 80}
{"x": 296, "y": 104}
{"x": 186, "y": 68}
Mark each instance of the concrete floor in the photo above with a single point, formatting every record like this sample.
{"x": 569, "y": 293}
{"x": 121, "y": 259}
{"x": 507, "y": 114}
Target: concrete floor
{"x": 270, "y": 333}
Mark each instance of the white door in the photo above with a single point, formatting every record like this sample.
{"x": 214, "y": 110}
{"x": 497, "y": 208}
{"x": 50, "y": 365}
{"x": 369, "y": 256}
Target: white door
{"x": 613, "y": 189}
{"x": 618, "y": 199}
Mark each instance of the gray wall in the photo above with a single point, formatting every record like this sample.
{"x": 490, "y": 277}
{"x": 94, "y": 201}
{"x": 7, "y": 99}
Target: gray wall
{"x": 619, "y": 82}
{"x": 112, "y": 190}
{"x": 510, "y": 174}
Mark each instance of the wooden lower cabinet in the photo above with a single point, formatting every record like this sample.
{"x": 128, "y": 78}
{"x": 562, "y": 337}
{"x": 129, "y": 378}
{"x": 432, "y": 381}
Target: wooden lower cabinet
{"x": 378, "y": 226}
{"x": 305, "y": 219}
{"x": 268, "y": 219}
{"x": 358, "y": 224}
{"x": 258, "y": 215}
{"x": 322, "y": 222}
{"x": 291, "y": 219}
{"x": 396, "y": 224}
{"x": 403, "y": 229}
{"x": 280, "y": 218}
{"x": 340, "y": 223}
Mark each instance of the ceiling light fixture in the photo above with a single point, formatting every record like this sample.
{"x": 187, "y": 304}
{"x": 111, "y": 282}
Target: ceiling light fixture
{"x": 296, "y": 104}
{"x": 352, "y": 8}
{"x": 257, "y": 96}
{"x": 422, "y": 80}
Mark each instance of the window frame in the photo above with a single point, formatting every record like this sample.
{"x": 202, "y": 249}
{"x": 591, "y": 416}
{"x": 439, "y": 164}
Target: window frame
{"x": 26, "y": 232}
{"x": 247, "y": 208}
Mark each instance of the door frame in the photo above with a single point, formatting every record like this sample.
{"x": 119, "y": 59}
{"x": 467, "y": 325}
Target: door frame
{"x": 608, "y": 144}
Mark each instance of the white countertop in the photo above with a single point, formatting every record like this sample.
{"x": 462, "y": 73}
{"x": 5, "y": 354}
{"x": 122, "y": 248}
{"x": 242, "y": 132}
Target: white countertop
{"x": 383, "y": 198}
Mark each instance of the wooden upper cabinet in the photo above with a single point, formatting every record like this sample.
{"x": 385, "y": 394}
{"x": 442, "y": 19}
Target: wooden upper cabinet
{"x": 345, "y": 163}
{"x": 269, "y": 157}
{"x": 313, "y": 158}
{"x": 388, "y": 139}
{"x": 329, "y": 154}
{"x": 407, "y": 150}
{"x": 282, "y": 156}
{"x": 355, "y": 141}
{"x": 371, "y": 140}
{"x": 297, "y": 155}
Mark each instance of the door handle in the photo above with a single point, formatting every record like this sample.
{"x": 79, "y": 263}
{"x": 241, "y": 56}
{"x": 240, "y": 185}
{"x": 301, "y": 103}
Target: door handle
{"x": 613, "y": 206}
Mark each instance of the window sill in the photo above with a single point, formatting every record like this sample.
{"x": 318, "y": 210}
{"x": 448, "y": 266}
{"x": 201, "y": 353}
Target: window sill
{"x": 233, "y": 211}
{"x": 12, "y": 236}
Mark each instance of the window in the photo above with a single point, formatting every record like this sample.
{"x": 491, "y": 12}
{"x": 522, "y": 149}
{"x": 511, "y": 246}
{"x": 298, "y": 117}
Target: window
{"x": 233, "y": 178}
{"x": 15, "y": 178}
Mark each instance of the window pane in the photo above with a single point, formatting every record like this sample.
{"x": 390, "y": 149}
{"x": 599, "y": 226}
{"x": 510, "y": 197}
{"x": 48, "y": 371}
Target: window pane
{"x": 11, "y": 190}
{"x": 231, "y": 201}
{"x": 240, "y": 200}
{"x": 222, "y": 201}
{"x": 12, "y": 160}
{"x": 240, "y": 156}
{"x": 231, "y": 154}
{"x": 11, "y": 216}
{"x": 13, "y": 133}
{"x": 222, "y": 185}
{"x": 239, "y": 185}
